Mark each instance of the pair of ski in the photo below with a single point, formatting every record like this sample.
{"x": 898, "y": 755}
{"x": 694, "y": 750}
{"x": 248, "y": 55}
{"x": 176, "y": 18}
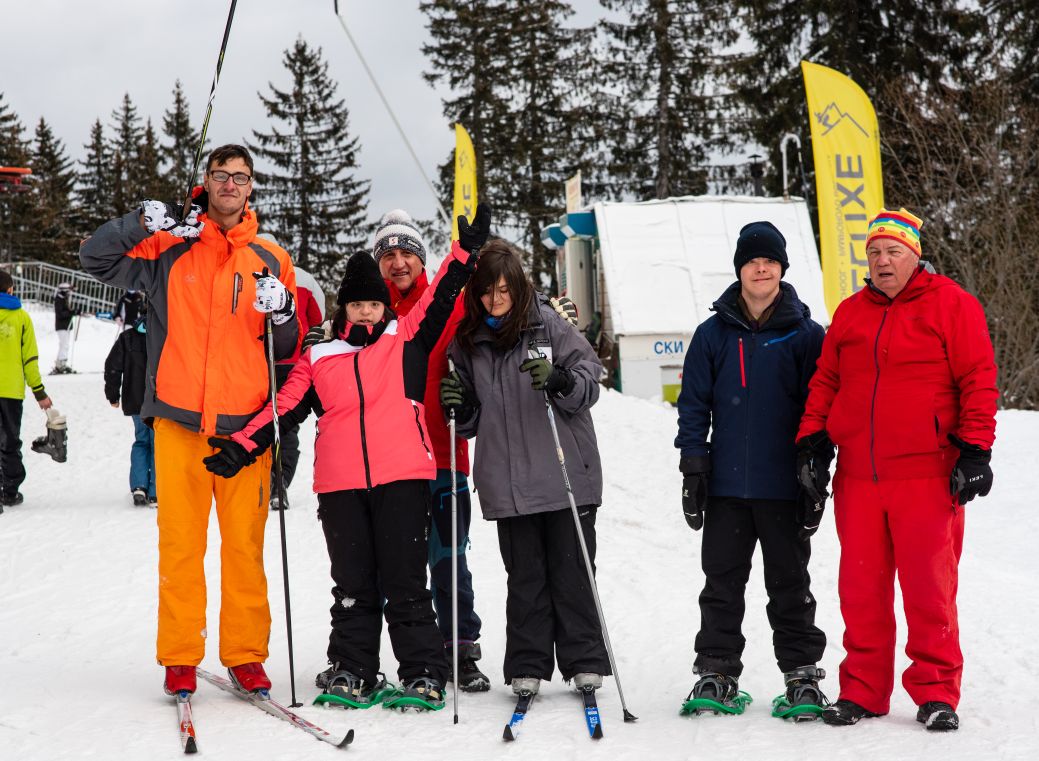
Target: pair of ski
{"x": 524, "y": 701}
{"x": 262, "y": 700}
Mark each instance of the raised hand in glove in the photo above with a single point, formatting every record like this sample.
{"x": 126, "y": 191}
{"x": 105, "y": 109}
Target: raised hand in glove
{"x": 454, "y": 396}
{"x": 318, "y": 334}
{"x": 159, "y": 215}
{"x": 565, "y": 308}
{"x": 229, "y": 458}
{"x": 972, "y": 475}
{"x": 272, "y": 296}
{"x": 471, "y": 237}
{"x": 696, "y": 471}
{"x": 544, "y": 376}
{"x": 814, "y": 455}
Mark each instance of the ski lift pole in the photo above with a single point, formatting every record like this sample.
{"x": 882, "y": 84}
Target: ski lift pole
{"x": 209, "y": 110}
{"x": 440, "y": 207}
{"x": 628, "y": 715}
{"x": 788, "y": 138}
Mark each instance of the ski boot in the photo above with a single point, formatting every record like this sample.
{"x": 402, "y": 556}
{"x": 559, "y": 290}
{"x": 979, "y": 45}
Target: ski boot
{"x": 803, "y": 700}
{"x": 938, "y": 717}
{"x": 179, "y": 679}
{"x": 585, "y": 682}
{"x": 342, "y": 688}
{"x": 54, "y": 442}
{"x": 526, "y": 685}
{"x": 844, "y": 713}
{"x": 716, "y": 693}
{"x": 423, "y": 693}
{"x": 470, "y": 678}
{"x": 250, "y": 677}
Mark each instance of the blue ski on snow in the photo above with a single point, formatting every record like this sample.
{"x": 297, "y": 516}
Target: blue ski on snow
{"x": 591, "y": 714}
{"x": 522, "y": 706}
{"x": 262, "y": 700}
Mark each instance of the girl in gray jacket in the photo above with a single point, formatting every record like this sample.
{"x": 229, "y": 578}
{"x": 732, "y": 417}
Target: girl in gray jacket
{"x": 511, "y": 349}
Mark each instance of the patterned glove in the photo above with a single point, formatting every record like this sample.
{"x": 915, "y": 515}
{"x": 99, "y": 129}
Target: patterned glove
{"x": 272, "y": 296}
{"x": 159, "y": 215}
{"x": 565, "y": 308}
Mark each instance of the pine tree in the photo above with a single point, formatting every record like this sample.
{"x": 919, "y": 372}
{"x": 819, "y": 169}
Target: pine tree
{"x": 15, "y": 208}
{"x": 124, "y": 148}
{"x": 179, "y": 152}
{"x": 311, "y": 201}
{"x": 95, "y": 185}
{"x": 147, "y": 174}
{"x": 53, "y": 178}
{"x": 1015, "y": 30}
{"x": 656, "y": 84}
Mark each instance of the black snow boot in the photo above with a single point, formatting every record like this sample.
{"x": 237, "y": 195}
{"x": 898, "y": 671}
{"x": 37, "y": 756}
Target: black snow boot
{"x": 844, "y": 713}
{"x": 54, "y": 442}
{"x": 938, "y": 717}
{"x": 470, "y": 678}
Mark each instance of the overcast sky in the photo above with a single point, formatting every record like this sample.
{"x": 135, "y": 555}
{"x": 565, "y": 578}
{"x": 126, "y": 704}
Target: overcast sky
{"x": 71, "y": 61}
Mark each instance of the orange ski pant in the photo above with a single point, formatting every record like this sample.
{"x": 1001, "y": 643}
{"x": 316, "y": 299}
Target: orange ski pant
{"x": 186, "y": 491}
{"x": 913, "y": 527}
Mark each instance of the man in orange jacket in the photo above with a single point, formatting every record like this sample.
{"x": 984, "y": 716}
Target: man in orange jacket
{"x": 207, "y": 375}
{"x": 906, "y": 389}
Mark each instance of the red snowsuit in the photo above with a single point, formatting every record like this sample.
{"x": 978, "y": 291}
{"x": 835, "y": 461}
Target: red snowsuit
{"x": 894, "y": 378}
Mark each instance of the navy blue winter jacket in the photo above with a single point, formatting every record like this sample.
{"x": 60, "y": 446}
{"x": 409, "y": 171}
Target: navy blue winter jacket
{"x": 752, "y": 386}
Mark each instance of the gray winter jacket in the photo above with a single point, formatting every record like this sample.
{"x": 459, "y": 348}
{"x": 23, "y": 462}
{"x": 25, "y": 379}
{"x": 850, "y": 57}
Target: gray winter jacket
{"x": 516, "y": 471}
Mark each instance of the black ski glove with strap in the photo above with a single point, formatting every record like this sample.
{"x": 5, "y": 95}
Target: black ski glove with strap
{"x": 695, "y": 473}
{"x": 471, "y": 237}
{"x": 972, "y": 475}
{"x": 229, "y": 458}
{"x": 815, "y": 452}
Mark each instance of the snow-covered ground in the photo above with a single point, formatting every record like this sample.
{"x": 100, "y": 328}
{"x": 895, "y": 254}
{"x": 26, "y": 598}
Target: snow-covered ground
{"x": 78, "y": 605}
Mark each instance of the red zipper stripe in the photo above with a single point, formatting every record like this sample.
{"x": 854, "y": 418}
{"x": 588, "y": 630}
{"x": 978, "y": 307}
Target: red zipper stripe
{"x": 743, "y": 369}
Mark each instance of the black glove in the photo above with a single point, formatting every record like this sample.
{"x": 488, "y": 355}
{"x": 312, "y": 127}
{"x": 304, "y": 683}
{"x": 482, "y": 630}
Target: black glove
{"x": 544, "y": 376}
{"x": 318, "y": 334}
{"x": 972, "y": 475}
{"x": 455, "y": 396}
{"x": 814, "y": 455}
{"x": 229, "y": 458}
{"x": 695, "y": 473}
{"x": 471, "y": 237}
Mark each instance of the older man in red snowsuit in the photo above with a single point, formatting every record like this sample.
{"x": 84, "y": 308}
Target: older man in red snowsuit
{"x": 906, "y": 389}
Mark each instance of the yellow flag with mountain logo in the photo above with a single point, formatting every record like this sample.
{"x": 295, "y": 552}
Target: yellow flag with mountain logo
{"x": 465, "y": 179}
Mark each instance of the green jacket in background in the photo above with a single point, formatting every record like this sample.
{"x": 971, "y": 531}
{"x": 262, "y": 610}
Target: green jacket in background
{"x": 19, "y": 357}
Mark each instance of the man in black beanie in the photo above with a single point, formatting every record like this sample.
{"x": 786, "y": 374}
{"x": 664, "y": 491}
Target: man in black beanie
{"x": 746, "y": 377}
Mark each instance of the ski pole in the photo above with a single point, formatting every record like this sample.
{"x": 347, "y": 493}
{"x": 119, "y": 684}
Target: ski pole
{"x": 280, "y": 486}
{"x": 209, "y": 111}
{"x": 628, "y": 716}
{"x": 451, "y": 424}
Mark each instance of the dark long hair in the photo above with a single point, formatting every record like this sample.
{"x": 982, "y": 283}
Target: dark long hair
{"x": 497, "y": 259}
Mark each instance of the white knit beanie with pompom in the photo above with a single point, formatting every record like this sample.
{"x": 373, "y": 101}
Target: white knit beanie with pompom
{"x": 397, "y": 230}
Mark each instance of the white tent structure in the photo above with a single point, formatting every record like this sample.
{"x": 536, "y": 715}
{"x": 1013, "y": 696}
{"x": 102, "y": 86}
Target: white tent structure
{"x": 644, "y": 275}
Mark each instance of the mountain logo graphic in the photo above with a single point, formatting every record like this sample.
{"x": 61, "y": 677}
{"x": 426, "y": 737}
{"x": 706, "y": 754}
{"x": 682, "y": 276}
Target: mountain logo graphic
{"x": 832, "y": 115}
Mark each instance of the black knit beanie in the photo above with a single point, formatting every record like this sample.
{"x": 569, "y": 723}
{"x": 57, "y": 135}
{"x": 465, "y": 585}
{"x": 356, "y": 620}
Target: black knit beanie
{"x": 760, "y": 239}
{"x": 362, "y": 281}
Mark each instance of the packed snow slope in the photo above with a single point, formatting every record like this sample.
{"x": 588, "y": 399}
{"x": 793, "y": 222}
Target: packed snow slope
{"x": 78, "y": 677}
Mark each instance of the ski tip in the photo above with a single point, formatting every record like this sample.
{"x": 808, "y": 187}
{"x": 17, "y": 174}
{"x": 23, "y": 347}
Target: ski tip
{"x": 190, "y": 746}
{"x": 346, "y": 740}
{"x": 629, "y": 716}
{"x": 507, "y": 735}
{"x": 597, "y": 732}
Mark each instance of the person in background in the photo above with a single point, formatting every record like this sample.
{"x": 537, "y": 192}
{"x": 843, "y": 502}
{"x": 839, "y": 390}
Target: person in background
{"x": 128, "y": 308}
{"x": 125, "y": 370}
{"x": 64, "y": 313}
{"x": 19, "y": 366}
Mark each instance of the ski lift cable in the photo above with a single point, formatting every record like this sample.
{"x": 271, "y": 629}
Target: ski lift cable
{"x": 389, "y": 109}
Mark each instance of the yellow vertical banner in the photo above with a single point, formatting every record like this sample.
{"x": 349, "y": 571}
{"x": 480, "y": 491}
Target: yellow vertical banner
{"x": 465, "y": 179}
{"x": 849, "y": 186}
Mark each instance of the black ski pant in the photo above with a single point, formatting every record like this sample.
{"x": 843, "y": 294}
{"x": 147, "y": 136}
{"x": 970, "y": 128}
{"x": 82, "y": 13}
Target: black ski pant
{"x": 732, "y": 528}
{"x": 550, "y": 603}
{"x": 12, "y": 471}
{"x": 376, "y": 541}
{"x": 289, "y": 435}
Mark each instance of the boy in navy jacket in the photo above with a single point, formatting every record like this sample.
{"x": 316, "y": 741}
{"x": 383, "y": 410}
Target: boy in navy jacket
{"x": 746, "y": 376}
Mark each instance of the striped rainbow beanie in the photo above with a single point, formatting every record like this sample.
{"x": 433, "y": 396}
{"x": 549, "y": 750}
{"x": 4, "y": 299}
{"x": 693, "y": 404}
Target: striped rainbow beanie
{"x": 900, "y": 225}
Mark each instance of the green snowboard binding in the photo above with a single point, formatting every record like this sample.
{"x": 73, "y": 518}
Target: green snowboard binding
{"x": 718, "y": 694}
{"x": 349, "y": 691}
{"x": 803, "y": 700}
{"x": 421, "y": 694}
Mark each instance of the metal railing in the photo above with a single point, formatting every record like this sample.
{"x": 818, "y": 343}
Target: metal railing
{"x": 37, "y": 281}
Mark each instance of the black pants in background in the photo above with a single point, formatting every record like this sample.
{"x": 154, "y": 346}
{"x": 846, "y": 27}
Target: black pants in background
{"x": 289, "y": 435}
{"x": 549, "y": 601}
{"x": 732, "y": 527}
{"x": 376, "y": 541}
{"x": 12, "y": 471}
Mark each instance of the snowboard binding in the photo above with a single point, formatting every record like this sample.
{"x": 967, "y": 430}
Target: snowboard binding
{"x": 718, "y": 694}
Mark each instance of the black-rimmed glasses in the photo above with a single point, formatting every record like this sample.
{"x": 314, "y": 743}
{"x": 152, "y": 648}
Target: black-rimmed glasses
{"x": 240, "y": 178}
